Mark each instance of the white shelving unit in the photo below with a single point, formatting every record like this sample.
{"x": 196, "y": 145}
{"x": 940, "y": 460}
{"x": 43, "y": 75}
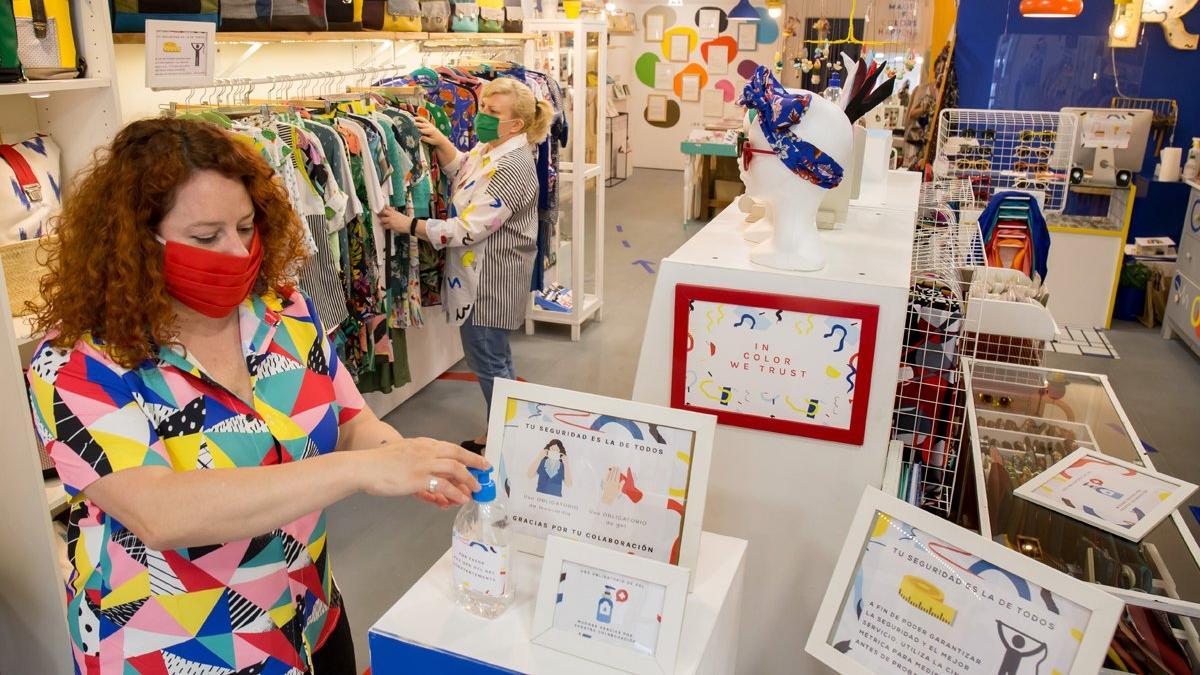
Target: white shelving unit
{"x": 79, "y": 115}
{"x": 576, "y": 173}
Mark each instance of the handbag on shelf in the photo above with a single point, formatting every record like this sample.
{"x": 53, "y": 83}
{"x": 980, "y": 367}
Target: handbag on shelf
{"x": 10, "y": 63}
{"x": 299, "y": 15}
{"x": 129, "y": 16}
{"x": 465, "y": 18}
{"x": 34, "y": 170}
{"x": 435, "y": 16}
{"x": 242, "y": 16}
{"x": 491, "y": 16}
{"x": 344, "y": 15}
{"x": 514, "y": 18}
{"x": 45, "y": 40}
{"x": 398, "y": 16}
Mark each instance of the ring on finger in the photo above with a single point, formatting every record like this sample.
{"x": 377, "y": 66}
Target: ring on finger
{"x": 433, "y": 483}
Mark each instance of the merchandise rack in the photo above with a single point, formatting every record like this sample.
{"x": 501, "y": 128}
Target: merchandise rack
{"x": 577, "y": 171}
{"x": 268, "y": 37}
{"x": 1000, "y": 150}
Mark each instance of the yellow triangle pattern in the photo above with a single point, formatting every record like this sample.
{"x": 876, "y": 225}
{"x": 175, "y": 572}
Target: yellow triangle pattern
{"x": 281, "y": 426}
{"x": 184, "y": 451}
{"x": 220, "y": 459}
{"x": 283, "y": 614}
{"x": 191, "y": 609}
{"x": 303, "y": 333}
{"x": 122, "y": 452}
{"x": 135, "y": 589}
{"x": 315, "y": 548}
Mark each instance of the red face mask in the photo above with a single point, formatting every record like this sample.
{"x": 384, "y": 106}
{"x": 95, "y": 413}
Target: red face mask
{"x": 211, "y": 283}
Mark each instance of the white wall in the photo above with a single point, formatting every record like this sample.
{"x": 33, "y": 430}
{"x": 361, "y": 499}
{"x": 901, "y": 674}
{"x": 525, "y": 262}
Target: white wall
{"x": 655, "y": 147}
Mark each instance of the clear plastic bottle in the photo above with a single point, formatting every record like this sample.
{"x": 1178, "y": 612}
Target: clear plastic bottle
{"x": 834, "y": 91}
{"x": 1191, "y": 168}
{"x": 483, "y": 580}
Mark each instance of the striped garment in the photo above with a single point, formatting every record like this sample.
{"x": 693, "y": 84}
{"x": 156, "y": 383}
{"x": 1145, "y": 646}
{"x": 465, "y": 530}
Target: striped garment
{"x": 491, "y": 236}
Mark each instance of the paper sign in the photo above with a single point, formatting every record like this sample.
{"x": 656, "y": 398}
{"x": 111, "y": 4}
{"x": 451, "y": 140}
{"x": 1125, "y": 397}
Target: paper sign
{"x": 710, "y": 23}
{"x": 713, "y": 102}
{"x": 607, "y": 607}
{"x": 718, "y": 60}
{"x": 664, "y": 75}
{"x": 656, "y": 108}
{"x": 179, "y": 54}
{"x": 654, "y": 27}
{"x": 679, "y": 48}
{"x": 689, "y": 89}
{"x": 1116, "y": 496}
{"x": 747, "y": 36}
{"x": 1111, "y": 130}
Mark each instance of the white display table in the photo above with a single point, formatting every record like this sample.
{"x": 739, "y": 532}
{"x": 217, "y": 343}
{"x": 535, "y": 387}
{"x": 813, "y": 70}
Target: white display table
{"x": 792, "y": 497}
{"x": 426, "y": 633}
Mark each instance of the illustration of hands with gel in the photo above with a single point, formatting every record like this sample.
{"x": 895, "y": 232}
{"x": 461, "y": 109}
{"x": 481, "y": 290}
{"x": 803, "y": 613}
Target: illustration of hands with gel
{"x": 615, "y": 483}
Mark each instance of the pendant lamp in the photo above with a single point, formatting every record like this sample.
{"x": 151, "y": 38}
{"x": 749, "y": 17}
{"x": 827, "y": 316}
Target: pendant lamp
{"x": 1051, "y": 9}
{"x": 743, "y": 11}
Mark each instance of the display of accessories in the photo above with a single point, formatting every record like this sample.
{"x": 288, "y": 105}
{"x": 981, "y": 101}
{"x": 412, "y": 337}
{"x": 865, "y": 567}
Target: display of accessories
{"x": 46, "y": 40}
{"x": 33, "y": 168}
{"x": 129, "y": 16}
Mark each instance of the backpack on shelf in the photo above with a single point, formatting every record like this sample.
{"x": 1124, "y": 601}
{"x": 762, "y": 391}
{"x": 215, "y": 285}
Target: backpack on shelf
{"x": 296, "y": 15}
{"x": 435, "y": 16}
{"x": 45, "y": 40}
{"x": 344, "y": 15}
{"x": 33, "y": 168}
{"x": 491, "y": 16}
{"x": 10, "y": 63}
{"x": 465, "y": 18}
{"x": 514, "y": 21}
{"x": 398, "y": 16}
{"x": 129, "y": 16}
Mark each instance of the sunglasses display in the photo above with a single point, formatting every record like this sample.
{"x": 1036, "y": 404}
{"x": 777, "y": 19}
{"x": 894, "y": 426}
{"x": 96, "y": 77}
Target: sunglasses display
{"x": 1029, "y": 136}
{"x": 1028, "y": 151}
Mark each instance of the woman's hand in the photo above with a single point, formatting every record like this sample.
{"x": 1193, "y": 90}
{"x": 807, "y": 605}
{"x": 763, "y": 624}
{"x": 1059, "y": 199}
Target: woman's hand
{"x": 406, "y": 468}
{"x": 395, "y": 221}
{"x": 430, "y": 134}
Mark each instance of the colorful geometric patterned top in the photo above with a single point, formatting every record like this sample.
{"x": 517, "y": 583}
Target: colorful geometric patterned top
{"x": 259, "y": 605}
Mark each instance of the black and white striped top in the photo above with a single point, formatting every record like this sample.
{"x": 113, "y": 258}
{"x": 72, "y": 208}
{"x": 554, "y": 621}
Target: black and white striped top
{"x": 492, "y": 239}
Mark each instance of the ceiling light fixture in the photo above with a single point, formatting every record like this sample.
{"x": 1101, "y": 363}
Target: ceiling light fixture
{"x": 743, "y": 11}
{"x": 1051, "y": 9}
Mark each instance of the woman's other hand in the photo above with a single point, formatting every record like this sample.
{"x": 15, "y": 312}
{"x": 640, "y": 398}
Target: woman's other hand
{"x": 430, "y": 134}
{"x": 407, "y": 467}
{"x": 395, "y": 221}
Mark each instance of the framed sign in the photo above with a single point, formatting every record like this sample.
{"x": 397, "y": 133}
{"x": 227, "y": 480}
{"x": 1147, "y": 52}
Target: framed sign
{"x": 915, "y": 593}
{"x": 180, "y": 53}
{"x": 780, "y": 363}
{"x": 747, "y": 36}
{"x": 622, "y": 475}
{"x": 619, "y": 610}
{"x": 1116, "y": 496}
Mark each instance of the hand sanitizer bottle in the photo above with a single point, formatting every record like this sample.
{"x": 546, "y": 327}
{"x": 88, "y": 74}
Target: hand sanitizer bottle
{"x": 834, "y": 91}
{"x": 483, "y": 581}
{"x": 1192, "y": 167}
{"x": 605, "y": 608}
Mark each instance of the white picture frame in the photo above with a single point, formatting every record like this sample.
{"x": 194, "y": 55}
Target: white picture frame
{"x": 625, "y": 571}
{"x": 1047, "y": 489}
{"x": 747, "y": 36}
{"x": 180, "y": 53}
{"x": 863, "y": 588}
{"x": 654, "y": 27}
{"x": 709, "y": 23}
{"x": 600, "y": 434}
{"x": 680, "y": 46}
{"x": 689, "y": 88}
{"x": 718, "y": 59}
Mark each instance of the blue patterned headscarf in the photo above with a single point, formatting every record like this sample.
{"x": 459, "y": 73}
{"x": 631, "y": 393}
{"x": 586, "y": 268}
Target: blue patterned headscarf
{"x": 778, "y": 110}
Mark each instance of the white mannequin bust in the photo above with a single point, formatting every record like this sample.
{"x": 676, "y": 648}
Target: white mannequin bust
{"x": 791, "y": 202}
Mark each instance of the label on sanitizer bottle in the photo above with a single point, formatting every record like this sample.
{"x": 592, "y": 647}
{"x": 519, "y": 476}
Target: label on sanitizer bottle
{"x": 478, "y": 567}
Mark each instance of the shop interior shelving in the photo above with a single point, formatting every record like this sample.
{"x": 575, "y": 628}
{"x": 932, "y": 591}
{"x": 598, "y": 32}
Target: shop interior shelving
{"x": 343, "y": 36}
{"x": 576, "y": 172}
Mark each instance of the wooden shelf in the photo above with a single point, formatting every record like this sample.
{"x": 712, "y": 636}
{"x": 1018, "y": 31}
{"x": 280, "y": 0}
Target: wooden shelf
{"x": 277, "y": 37}
{"x": 56, "y": 495}
{"x": 35, "y": 87}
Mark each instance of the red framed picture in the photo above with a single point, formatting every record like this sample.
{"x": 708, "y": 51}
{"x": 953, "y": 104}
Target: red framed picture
{"x": 779, "y": 363}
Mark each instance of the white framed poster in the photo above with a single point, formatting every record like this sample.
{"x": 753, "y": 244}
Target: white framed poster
{"x": 656, "y": 108}
{"x": 915, "y": 593}
{"x": 654, "y": 27}
{"x": 780, "y": 363}
{"x": 689, "y": 88}
{"x": 1114, "y": 495}
{"x": 627, "y": 476}
{"x": 664, "y": 75}
{"x": 619, "y": 610}
{"x": 718, "y": 59}
{"x": 679, "y": 47}
{"x": 709, "y": 22}
{"x": 180, "y": 53}
{"x": 747, "y": 36}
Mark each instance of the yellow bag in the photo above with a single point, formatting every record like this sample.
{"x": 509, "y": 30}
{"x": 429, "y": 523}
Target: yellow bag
{"x": 45, "y": 40}
{"x": 400, "y": 16}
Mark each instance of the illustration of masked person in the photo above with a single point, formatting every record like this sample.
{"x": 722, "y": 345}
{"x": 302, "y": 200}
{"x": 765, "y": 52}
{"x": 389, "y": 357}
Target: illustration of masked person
{"x": 551, "y": 470}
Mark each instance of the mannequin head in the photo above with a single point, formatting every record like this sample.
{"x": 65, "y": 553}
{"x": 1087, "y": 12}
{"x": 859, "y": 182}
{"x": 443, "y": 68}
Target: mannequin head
{"x": 790, "y": 190}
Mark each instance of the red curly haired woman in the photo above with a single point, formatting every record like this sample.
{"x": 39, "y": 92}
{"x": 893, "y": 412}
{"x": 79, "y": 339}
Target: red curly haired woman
{"x": 198, "y": 415}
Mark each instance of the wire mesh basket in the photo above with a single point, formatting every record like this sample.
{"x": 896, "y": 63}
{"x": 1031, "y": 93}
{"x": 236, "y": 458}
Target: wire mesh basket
{"x": 1166, "y": 115}
{"x": 1000, "y": 150}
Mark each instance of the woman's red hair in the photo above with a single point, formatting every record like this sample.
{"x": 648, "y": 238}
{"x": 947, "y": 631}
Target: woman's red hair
{"x": 105, "y": 265}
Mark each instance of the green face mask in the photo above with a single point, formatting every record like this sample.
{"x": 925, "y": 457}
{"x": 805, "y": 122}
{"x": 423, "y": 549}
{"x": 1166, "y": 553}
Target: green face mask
{"x": 487, "y": 127}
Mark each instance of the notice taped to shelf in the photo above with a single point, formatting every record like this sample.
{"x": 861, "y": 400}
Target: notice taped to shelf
{"x": 180, "y": 54}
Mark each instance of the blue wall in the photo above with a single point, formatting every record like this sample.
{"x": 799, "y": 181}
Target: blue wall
{"x": 1006, "y": 61}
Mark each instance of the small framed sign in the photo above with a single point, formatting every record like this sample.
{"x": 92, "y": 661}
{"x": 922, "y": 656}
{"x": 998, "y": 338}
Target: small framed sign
{"x": 915, "y": 593}
{"x": 1114, "y": 495}
{"x": 180, "y": 53}
{"x": 619, "y": 610}
{"x": 781, "y": 363}
{"x": 626, "y": 476}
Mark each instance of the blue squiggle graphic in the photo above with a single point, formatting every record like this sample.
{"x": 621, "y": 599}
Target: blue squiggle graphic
{"x": 629, "y": 425}
{"x": 842, "y": 342}
{"x": 851, "y": 374}
{"x": 753, "y": 321}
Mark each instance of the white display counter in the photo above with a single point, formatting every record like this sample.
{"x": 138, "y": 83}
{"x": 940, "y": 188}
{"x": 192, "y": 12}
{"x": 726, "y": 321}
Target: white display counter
{"x": 426, "y": 633}
{"x": 791, "y": 497}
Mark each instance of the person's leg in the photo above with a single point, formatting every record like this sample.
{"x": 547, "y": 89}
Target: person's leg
{"x": 336, "y": 655}
{"x": 489, "y": 356}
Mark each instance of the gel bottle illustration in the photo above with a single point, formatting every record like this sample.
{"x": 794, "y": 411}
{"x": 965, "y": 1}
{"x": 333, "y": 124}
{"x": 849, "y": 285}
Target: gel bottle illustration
{"x": 483, "y": 580}
{"x": 605, "y": 609}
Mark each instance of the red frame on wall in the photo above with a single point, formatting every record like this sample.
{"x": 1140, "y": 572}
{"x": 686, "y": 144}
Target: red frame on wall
{"x": 867, "y": 314}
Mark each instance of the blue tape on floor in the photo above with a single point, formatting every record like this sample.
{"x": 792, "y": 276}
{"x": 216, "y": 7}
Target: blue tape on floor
{"x": 1148, "y": 448}
{"x": 1195, "y": 512}
{"x": 620, "y": 229}
{"x": 646, "y": 265}
{"x": 625, "y": 243}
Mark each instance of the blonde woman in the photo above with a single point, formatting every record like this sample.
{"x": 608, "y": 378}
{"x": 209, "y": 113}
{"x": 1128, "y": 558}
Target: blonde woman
{"x": 492, "y": 232}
